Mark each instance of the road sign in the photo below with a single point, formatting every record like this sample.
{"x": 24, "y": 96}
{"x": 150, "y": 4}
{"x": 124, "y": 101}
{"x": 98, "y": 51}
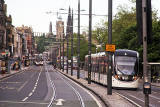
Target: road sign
{"x": 110, "y": 48}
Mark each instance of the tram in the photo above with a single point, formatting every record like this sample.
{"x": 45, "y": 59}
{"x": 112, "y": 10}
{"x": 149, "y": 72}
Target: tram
{"x": 125, "y": 68}
{"x": 38, "y": 60}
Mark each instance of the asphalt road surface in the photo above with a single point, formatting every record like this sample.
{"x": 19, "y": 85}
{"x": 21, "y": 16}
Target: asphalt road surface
{"x": 43, "y": 86}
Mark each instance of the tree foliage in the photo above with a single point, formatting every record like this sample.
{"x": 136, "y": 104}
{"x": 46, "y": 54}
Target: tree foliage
{"x": 124, "y": 33}
{"x": 43, "y": 43}
{"x": 83, "y": 47}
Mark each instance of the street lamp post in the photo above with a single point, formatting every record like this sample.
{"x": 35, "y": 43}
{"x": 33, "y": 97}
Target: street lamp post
{"x": 78, "y": 45}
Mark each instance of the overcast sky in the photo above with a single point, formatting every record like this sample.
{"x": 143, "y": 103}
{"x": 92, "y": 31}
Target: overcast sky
{"x": 33, "y": 12}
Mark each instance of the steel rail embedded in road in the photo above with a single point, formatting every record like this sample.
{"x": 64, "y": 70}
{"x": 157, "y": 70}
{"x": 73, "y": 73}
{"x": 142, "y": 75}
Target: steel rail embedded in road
{"x": 77, "y": 93}
{"x": 133, "y": 102}
{"x": 98, "y": 103}
{"x": 53, "y": 87}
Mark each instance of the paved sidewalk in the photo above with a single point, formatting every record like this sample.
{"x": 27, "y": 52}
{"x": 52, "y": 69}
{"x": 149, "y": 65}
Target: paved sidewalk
{"x": 113, "y": 100}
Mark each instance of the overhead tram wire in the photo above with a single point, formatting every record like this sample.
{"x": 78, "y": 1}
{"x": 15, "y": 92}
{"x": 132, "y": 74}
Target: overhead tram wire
{"x": 65, "y": 13}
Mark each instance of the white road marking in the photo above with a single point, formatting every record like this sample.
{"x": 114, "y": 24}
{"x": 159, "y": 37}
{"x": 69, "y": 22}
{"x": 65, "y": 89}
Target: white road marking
{"x": 30, "y": 94}
{"x": 33, "y": 90}
{"x": 25, "y": 99}
{"x": 59, "y": 102}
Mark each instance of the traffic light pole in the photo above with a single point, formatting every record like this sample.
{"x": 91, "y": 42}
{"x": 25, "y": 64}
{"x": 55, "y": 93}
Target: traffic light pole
{"x": 109, "y": 73}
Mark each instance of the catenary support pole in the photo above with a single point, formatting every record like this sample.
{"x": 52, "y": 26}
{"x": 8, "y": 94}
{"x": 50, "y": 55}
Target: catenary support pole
{"x": 109, "y": 73}
{"x": 89, "y": 42}
{"x": 72, "y": 45}
{"x": 63, "y": 50}
{"x": 78, "y": 45}
{"x": 144, "y": 17}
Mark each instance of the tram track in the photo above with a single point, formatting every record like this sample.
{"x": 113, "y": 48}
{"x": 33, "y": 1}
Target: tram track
{"x": 137, "y": 98}
{"x": 74, "y": 90}
{"x": 53, "y": 98}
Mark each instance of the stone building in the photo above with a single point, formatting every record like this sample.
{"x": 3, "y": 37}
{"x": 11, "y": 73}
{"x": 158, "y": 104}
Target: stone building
{"x": 3, "y": 17}
{"x": 6, "y": 37}
{"x": 50, "y": 33}
{"x": 9, "y": 35}
{"x": 27, "y": 39}
{"x": 59, "y": 28}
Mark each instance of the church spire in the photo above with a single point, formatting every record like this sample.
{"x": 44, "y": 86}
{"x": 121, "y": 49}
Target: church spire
{"x": 69, "y": 22}
{"x": 50, "y": 28}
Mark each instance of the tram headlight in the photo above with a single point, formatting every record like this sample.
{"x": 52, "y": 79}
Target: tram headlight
{"x": 116, "y": 76}
{"x": 125, "y": 78}
{"x": 134, "y": 77}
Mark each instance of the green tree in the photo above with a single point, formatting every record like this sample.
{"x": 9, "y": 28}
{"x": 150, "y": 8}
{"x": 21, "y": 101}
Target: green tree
{"x": 124, "y": 34}
{"x": 83, "y": 47}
